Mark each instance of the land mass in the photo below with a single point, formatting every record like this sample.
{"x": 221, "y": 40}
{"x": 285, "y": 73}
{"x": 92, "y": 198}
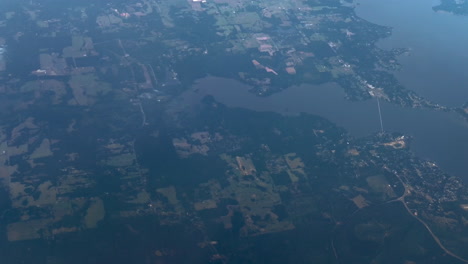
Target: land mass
{"x": 457, "y": 7}
{"x": 93, "y": 146}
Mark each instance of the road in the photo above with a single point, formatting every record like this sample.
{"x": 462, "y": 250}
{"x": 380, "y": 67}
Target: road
{"x": 434, "y": 236}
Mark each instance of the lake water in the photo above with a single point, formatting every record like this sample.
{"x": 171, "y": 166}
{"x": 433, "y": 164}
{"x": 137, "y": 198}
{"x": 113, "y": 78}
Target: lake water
{"x": 438, "y": 136}
{"x": 435, "y": 69}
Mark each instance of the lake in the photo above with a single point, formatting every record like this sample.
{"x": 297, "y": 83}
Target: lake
{"x": 435, "y": 70}
{"x": 438, "y": 63}
{"x": 438, "y": 136}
